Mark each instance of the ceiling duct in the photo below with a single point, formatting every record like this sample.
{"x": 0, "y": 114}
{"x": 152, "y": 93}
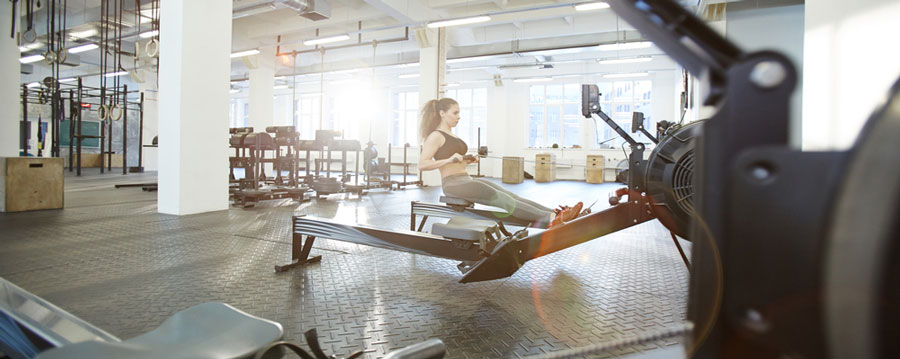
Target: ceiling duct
{"x": 311, "y": 9}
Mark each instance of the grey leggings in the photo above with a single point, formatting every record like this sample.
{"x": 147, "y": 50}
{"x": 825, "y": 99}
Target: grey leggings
{"x": 485, "y": 192}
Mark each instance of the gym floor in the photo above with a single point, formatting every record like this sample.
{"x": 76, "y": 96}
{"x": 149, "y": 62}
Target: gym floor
{"x": 110, "y": 259}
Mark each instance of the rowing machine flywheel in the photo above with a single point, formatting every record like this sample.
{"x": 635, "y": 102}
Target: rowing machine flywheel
{"x": 670, "y": 177}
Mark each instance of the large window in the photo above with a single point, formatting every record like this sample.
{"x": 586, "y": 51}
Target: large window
{"x": 306, "y": 117}
{"x": 619, "y": 100}
{"x": 404, "y": 120}
{"x": 473, "y": 114}
{"x": 554, "y": 115}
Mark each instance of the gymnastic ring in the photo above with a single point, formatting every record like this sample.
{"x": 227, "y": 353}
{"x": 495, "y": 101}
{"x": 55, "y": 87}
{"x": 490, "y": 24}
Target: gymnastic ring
{"x": 115, "y": 113}
{"x": 155, "y": 51}
{"x": 103, "y": 112}
{"x": 49, "y": 57}
{"x": 29, "y": 35}
{"x": 62, "y": 55}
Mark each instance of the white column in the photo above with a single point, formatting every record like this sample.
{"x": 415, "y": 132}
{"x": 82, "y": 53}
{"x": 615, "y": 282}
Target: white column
{"x": 9, "y": 88}
{"x": 850, "y": 62}
{"x": 432, "y": 64}
{"x": 193, "y": 106}
{"x": 262, "y": 101}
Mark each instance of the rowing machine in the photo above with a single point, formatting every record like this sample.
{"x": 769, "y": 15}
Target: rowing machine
{"x": 454, "y": 206}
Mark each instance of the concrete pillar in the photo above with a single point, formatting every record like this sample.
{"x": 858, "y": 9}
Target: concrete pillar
{"x": 150, "y": 89}
{"x": 850, "y": 62}
{"x": 9, "y": 88}
{"x": 262, "y": 101}
{"x": 195, "y": 40}
{"x": 432, "y": 66}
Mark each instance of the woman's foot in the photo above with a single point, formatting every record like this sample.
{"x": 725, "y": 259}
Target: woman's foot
{"x": 565, "y": 214}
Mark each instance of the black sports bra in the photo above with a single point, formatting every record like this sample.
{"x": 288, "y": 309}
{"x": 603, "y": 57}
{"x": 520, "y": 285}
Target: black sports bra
{"x": 451, "y": 145}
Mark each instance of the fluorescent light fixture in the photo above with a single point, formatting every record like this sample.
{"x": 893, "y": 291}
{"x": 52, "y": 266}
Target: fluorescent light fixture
{"x": 408, "y": 76}
{"x": 626, "y": 60}
{"x": 462, "y": 21}
{"x": 591, "y": 6}
{"x": 631, "y": 74}
{"x": 23, "y": 49}
{"x": 234, "y": 91}
{"x": 469, "y": 68}
{"x": 468, "y": 59}
{"x": 244, "y": 53}
{"x": 82, "y": 48}
{"x": 149, "y": 34}
{"x": 625, "y": 46}
{"x": 68, "y": 79}
{"x": 452, "y": 84}
{"x": 326, "y": 40}
{"x": 411, "y": 64}
{"x": 83, "y": 34}
{"x": 280, "y": 87}
{"x": 33, "y": 84}
{"x": 533, "y": 79}
{"x": 114, "y": 74}
{"x": 338, "y": 72}
{"x": 30, "y": 59}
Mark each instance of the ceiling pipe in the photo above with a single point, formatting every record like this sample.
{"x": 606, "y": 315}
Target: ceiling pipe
{"x": 359, "y": 42}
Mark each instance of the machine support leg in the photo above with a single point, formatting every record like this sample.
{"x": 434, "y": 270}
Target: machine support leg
{"x": 299, "y": 253}
{"x": 422, "y": 224}
{"x": 687, "y": 263}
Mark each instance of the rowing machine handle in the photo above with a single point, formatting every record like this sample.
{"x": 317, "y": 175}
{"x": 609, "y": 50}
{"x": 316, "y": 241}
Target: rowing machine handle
{"x": 429, "y": 349}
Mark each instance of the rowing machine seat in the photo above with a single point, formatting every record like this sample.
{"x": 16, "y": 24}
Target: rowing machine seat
{"x": 209, "y": 330}
{"x": 466, "y": 228}
{"x": 456, "y": 201}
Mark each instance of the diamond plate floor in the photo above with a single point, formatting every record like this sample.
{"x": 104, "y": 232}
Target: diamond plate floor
{"x": 112, "y": 260}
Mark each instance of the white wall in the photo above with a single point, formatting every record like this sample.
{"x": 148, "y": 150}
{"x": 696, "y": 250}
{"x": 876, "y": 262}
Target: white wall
{"x": 852, "y": 60}
{"x": 776, "y": 28}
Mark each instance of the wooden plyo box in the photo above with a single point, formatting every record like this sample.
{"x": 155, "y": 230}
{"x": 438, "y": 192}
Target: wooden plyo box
{"x": 545, "y": 167}
{"x": 30, "y": 183}
{"x": 92, "y": 160}
{"x": 595, "y": 164}
{"x": 513, "y": 169}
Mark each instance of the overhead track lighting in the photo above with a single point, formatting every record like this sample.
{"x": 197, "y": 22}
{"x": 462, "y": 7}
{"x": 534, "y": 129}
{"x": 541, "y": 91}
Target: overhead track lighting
{"x": 33, "y": 84}
{"x": 630, "y": 74}
{"x": 456, "y": 22}
{"x": 591, "y": 6}
{"x": 326, "y": 40}
{"x": 68, "y": 79}
{"x": 114, "y": 74}
{"x": 625, "y": 46}
{"x": 627, "y": 60}
{"x": 83, "y": 34}
{"x": 30, "y": 59}
{"x": 82, "y": 48}
{"x": 533, "y": 79}
{"x": 244, "y": 53}
{"x": 149, "y": 34}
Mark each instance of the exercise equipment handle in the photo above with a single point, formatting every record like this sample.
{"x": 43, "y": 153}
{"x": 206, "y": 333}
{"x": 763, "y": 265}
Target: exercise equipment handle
{"x": 429, "y": 349}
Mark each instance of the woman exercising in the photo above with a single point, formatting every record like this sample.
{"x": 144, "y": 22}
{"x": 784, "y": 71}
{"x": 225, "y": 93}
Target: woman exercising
{"x": 447, "y": 153}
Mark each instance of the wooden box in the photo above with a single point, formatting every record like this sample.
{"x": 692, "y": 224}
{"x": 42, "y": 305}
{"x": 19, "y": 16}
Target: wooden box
{"x": 92, "y": 160}
{"x": 545, "y": 167}
{"x": 30, "y": 183}
{"x": 513, "y": 169}
{"x": 595, "y": 164}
